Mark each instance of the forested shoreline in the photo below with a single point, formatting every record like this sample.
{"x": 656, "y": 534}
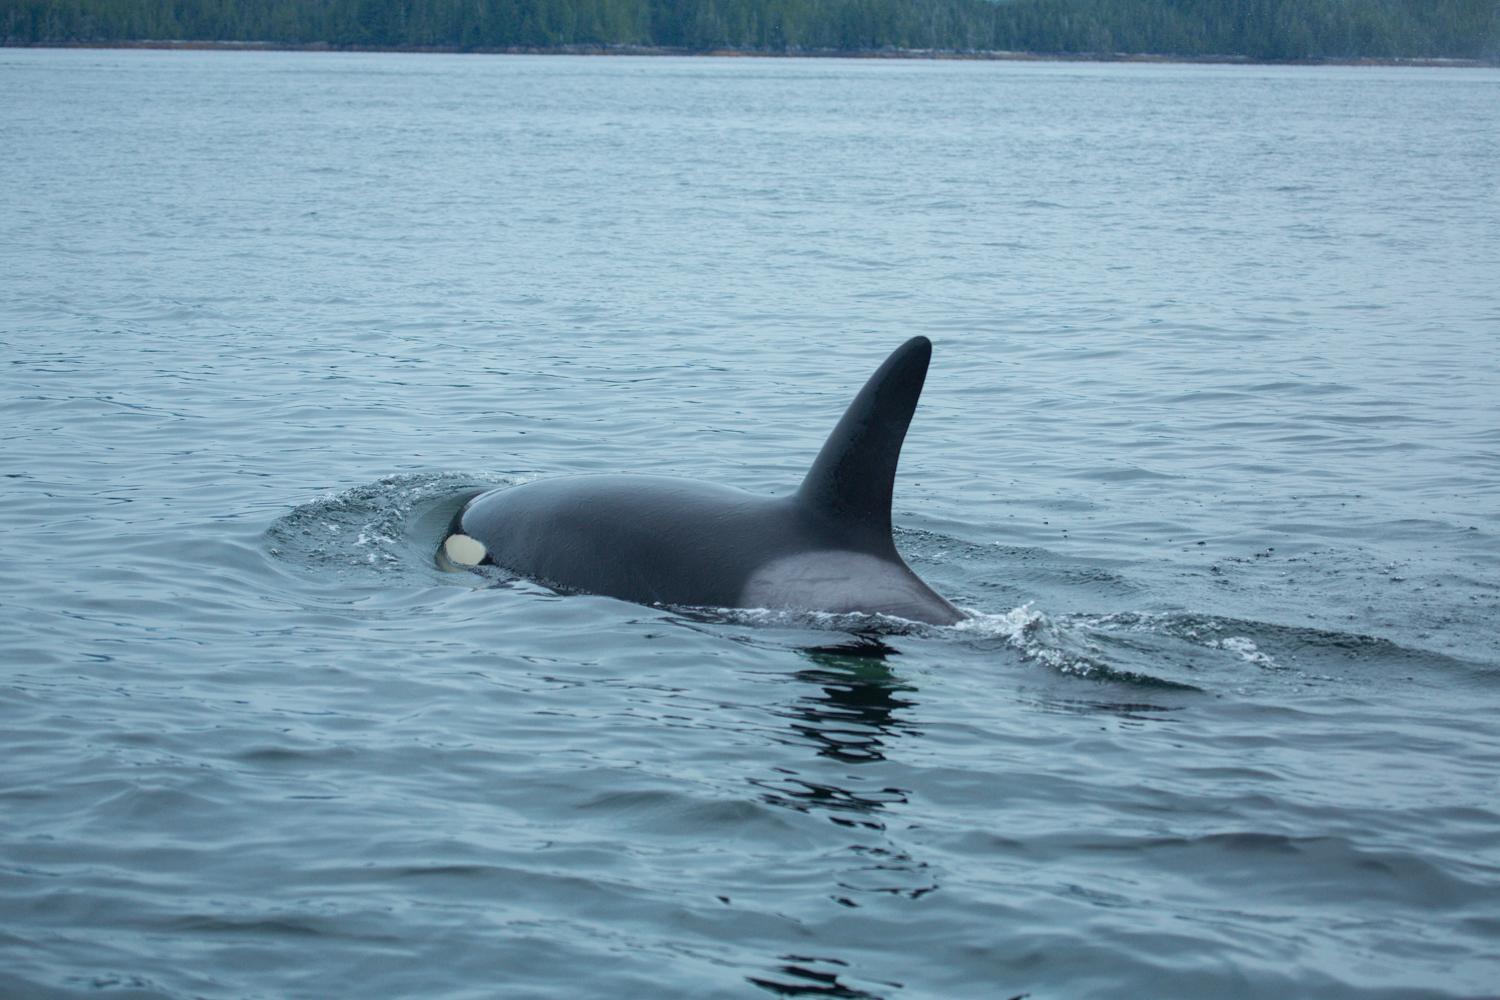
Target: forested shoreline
{"x": 1247, "y": 29}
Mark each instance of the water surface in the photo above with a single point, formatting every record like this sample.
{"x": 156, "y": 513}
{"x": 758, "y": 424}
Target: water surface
{"x": 1209, "y": 447}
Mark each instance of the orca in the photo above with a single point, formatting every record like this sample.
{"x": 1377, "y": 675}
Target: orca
{"x": 657, "y": 540}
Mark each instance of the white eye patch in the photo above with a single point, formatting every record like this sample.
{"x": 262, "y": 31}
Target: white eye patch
{"x": 463, "y": 550}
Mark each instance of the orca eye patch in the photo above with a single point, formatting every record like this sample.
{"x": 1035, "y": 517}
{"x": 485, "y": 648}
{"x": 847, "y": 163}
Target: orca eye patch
{"x": 464, "y": 551}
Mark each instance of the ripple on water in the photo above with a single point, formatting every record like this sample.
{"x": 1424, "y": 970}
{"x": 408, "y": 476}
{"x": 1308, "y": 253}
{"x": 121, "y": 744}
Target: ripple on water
{"x": 1209, "y": 454}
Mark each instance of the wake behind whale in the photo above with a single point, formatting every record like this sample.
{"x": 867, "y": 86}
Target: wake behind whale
{"x": 659, "y": 540}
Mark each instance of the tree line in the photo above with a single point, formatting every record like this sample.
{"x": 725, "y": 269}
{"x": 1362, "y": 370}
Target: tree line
{"x": 1256, "y": 29}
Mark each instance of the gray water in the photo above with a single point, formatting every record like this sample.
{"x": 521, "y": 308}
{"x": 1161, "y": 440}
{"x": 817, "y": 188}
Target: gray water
{"x": 1209, "y": 447}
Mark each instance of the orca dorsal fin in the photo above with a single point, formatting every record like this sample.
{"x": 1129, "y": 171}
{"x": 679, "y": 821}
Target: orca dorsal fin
{"x": 853, "y": 476}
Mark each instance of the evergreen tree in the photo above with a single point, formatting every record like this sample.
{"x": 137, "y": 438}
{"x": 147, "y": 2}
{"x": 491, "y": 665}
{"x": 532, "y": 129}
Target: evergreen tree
{"x": 1262, "y": 29}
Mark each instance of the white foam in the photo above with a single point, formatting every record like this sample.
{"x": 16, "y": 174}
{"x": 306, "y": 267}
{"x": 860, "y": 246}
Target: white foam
{"x": 1015, "y": 626}
{"x": 1246, "y": 649}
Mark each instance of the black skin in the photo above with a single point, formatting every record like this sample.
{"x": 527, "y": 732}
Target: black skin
{"x": 659, "y": 540}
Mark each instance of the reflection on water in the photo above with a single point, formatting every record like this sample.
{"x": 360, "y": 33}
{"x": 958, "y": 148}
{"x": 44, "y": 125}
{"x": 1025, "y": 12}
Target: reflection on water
{"x": 1127, "y": 711}
{"x": 851, "y": 710}
{"x": 797, "y": 793}
{"x": 851, "y": 715}
{"x": 857, "y": 704}
{"x": 848, "y": 719}
{"x": 808, "y": 981}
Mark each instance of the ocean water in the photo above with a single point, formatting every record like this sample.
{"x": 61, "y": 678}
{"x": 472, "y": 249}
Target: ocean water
{"x": 1209, "y": 447}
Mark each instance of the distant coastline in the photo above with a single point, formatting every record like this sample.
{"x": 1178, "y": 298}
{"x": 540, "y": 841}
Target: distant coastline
{"x": 1251, "y": 32}
{"x": 726, "y": 53}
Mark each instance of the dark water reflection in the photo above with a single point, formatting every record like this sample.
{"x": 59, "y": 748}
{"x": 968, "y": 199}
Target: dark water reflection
{"x": 848, "y": 719}
{"x": 855, "y": 708}
{"x": 854, "y": 713}
{"x": 805, "y": 979}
